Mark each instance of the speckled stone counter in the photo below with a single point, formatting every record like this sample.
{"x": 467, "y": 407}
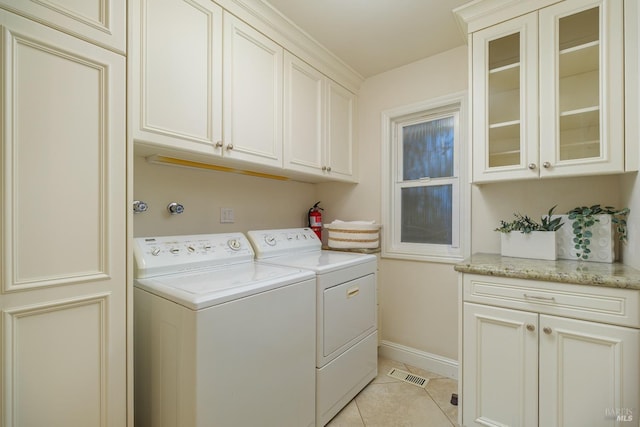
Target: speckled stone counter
{"x": 614, "y": 275}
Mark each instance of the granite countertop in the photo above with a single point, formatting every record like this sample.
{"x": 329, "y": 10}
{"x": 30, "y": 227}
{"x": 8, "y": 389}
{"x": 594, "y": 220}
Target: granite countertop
{"x": 614, "y": 275}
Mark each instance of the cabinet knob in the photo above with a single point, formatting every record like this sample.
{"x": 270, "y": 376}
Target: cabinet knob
{"x": 229, "y": 146}
{"x": 532, "y": 166}
{"x": 546, "y": 165}
{"x": 531, "y": 327}
{"x": 547, "y": 330}
{"x": 324, "y": 168}
{"x": 219, "y": 144}
{"x": 328, "y": 168}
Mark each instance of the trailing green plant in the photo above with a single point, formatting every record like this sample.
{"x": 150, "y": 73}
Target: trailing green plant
{"x": 583, "y": 218}
{"x": 525, "y": 224}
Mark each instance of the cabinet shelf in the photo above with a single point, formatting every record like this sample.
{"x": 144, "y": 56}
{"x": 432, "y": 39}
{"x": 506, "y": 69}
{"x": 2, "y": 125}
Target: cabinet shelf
{"x": 580, "y": 59}
{"x": 504, "y": 78}
{"x": 504, "y": 124}
{"x": 580, "y": 118}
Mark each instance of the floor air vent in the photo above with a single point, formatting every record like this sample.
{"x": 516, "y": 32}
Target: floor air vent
{"x": 408, "y": 377}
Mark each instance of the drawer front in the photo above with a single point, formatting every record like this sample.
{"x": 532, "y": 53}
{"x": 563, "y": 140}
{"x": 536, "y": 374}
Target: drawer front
{"x": 349, "y": 312}
{"x": 602, "y": 304}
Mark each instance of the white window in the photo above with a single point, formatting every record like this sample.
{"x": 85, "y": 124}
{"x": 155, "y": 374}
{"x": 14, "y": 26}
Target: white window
{"x": 424, "y": 186}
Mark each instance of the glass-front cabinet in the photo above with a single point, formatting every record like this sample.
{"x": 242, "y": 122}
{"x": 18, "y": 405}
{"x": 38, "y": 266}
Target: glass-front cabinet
{"x": 548, "y": 93}
{"x": 505, "y": 89}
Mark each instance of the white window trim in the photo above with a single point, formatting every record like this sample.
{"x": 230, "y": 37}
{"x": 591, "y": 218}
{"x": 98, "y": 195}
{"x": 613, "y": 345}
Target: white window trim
{"x": 390, "y": 209}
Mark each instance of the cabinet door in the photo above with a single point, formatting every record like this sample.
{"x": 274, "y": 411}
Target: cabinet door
{"x": 100, "y": 21}
{"x": 340, "y": 144}
{"x": 304, "y": 101}
{"x": 252, "y": 95}
{"x": 176, "y": 74}
{"x": 505, "y": 100}
{"x": 588, "y": 372}
{"x": 63, "y": 240}
{"x": 500, "y": 359}
{"x": 581, "y": 88}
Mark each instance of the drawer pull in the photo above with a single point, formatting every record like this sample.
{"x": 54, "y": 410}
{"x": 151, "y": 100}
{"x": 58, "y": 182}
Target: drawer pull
{"x": 352, "y": 292}
{"x": 547, "y": 330}
{"x": 531, "y": 327}
{"x": 539, "y": 297}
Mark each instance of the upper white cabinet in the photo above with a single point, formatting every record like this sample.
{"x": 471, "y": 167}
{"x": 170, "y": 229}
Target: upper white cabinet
{"x": 548, "y": 93}
{"x": 319, "y": 123}
{"x": 252, "y": 100}
{"x": 175, "y": 72}
{"x": 341, "y": 110}
{"x": 102, "y": 22}
{"x": 212, "y": 86}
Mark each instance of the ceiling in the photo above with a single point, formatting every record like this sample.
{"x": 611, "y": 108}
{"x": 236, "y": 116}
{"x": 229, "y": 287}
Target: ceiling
{"x": 373, "y": 36}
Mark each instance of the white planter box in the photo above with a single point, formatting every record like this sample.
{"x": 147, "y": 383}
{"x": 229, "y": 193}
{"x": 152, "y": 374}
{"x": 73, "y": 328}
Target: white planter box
{"x": 602, "y": 245}
{"x": 537, "y": 245}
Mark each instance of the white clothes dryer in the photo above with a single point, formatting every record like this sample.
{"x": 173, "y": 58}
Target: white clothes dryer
{"x": 221, "y": 340}
{"x": 346, "y": 312}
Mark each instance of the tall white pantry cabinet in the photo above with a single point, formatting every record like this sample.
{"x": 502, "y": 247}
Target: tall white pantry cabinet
{"x": 63, "y": 196}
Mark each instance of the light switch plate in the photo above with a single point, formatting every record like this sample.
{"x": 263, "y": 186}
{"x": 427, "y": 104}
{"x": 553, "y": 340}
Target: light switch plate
{"x": 226, "y": 216}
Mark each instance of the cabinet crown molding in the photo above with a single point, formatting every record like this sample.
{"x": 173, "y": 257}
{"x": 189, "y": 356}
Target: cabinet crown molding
{"x": 480, "y": 14}
{"x": 268, "y": 20}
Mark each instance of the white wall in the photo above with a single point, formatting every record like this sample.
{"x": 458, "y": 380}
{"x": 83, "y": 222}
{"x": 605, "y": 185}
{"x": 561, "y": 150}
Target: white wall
{"x": 257, "y": 202}
{"x": 417, "y": 299}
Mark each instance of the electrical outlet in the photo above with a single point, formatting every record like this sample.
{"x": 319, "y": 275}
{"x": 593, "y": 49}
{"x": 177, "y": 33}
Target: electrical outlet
{"x": 226, "y": 216}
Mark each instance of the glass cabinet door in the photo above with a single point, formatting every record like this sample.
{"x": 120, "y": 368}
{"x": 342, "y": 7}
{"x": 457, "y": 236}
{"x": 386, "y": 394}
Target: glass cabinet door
{"x": 505, "y": 100}
{"x": 581, "y": 128}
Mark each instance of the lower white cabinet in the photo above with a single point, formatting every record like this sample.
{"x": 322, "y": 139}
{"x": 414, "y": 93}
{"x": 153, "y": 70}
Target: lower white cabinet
{"x": 548, "y": 354}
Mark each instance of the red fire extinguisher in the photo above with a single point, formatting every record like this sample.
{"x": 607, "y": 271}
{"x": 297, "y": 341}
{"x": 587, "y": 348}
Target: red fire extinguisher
{"x": 315, "y": 220}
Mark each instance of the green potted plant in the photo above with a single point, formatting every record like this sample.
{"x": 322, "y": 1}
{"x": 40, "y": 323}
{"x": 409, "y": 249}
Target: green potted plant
{"x": 524, "y": 237}
{"x": 594, "y": 224}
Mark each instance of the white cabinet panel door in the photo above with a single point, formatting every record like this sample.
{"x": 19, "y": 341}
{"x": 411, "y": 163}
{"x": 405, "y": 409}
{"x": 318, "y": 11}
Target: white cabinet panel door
{"x": 500, "y": 377}
{"x": 304, "y": 116}
{"x": 341, "y": 111}
{"x": 588, "y": 372}
{"x": 252, "y": 129}
{"x": 63, "y": 239}
{"x": 176, "y": 74}
{"x": 100, "y": 21}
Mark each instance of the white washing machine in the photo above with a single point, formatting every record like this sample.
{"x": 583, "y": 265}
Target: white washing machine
{"x": 347, "y": 336}
{"x": 219, "y": 339}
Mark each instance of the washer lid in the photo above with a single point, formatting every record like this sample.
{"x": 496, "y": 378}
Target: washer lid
{"x": 197, "y": 290}
{"x": 322, "y": 261}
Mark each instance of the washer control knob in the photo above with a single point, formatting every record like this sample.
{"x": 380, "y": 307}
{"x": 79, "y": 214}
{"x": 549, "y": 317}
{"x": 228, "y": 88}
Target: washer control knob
{"x": 191, "y": 249}
{"x": 174, "y": 250}
{"x": 270, "y": 240}
{"x": 155, "y": 251}
{"x": 234, "y": 244}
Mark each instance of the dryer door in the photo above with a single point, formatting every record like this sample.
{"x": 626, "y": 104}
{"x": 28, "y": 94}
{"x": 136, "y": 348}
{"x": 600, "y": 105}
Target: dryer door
{"x": 349, "y": 314}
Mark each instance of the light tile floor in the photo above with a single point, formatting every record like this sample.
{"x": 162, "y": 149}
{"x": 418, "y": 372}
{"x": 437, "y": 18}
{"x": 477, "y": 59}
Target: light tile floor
{"x": 388, "y": 402}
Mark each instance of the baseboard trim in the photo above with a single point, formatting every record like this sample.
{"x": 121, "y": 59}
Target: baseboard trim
{"x": 420, "y": 359}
